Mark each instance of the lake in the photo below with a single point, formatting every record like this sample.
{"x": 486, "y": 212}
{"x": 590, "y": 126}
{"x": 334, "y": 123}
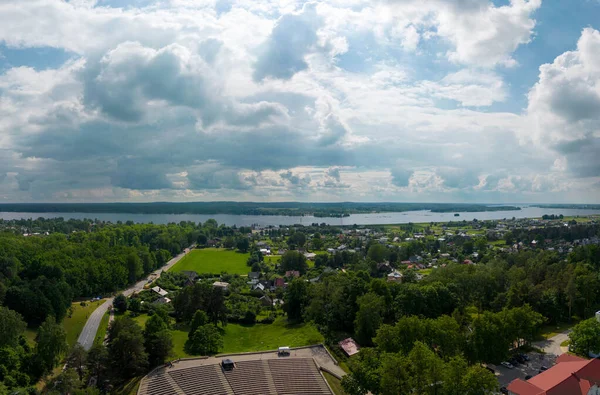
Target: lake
{"x": 264, "y": 220}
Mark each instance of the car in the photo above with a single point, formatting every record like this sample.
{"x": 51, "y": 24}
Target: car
{"x": 513, "y": 362}
{"x": 543, "y": 368}
{"x": 525, "y": 356}
{"x": 528, "y": 377}
{"x": 504, "y": 390}
{"x": 507, "y": 365}
{"x": 519, "y": 358}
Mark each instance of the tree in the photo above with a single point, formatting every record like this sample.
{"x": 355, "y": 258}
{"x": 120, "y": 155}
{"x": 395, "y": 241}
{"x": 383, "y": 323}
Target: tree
{"x": 377, "y": 252}
{"x": 204, "y": 340}
{"x": 585, "y": 338}
{"x": 317, "y": 242}
{"x": 480, "y": 381}
{"x": 202, "y": 239}
{"x": 293, "y": 260}
{"x": 158, "y": 340}
{"x": 297, "y": 239}
{"x": 121, "y": 303}
{"x": 97, "y": 363}
{"x": 243, "y": 244}
{"x": 126, "y": 351}
{"x": 134, "y": 305}
{"x": 51, "y": 344}
{"x": 296, "y": 299}
{"x": 368, "y": 318}
{"x": 11, "y": 327}
{"x": 66, "y": 383}
{"x": 77, "y": 359}
{"x": 229, "y": 242}
{"x": 134, "y": 265}
{"x": 200, "y": 319}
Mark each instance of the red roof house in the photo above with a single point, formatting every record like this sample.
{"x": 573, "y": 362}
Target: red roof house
{"x": 570, "y": 376}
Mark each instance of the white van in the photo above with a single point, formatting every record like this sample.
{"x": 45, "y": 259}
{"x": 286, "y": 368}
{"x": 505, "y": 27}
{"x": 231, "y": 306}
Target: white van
{"x": 283, "y": 351}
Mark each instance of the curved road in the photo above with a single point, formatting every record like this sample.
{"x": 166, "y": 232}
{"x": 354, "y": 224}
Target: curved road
{"x": 552, "y": 345}
{"x": 88, "y": 334}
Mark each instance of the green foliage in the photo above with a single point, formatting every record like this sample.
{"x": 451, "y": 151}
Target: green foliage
{"x": 205, "y": 340}
{"x": 368, "y": 318}
{"x": 12, "y": 327}
{"x": 200, "y": 319}
{"x": 201, "y": 296}
{"x": 51, "y": 344}
{"x": 121, "y": 303}
{"x": 377, "y": 252}
{"x": 296, "y": 299}
{"x": 158, "y": 340}
{"x": 585, "y": 338}
{"x": 213, "y": 260}
{"x": 293, "y": 260}
{"x": 127, "y": 355}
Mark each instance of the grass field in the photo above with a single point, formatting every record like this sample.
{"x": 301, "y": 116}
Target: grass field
{"x": 241, "y": 338}
{"x": 102, "y": 329}
{"x": 549, "y": 331}
{"x": 334, "y": 383}
{"x": 74, "y": 325}
{"x": 213, "y": 260}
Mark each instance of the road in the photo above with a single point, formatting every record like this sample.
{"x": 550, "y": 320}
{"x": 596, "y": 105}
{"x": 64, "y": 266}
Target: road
{"x": 88, "y": 334}
{"x": 552, "y": 345}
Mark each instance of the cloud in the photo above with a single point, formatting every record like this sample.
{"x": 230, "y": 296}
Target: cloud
{"x": 564, "y": 106}
{"x": 293, "y": 36}
{"x": 401, "y": 177}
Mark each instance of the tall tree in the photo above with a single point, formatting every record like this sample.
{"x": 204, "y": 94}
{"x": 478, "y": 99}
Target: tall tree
{"x": 127, "y": 354}
{"x": 368, "y": 318}
{"x": 158, "y": 340}
{"x": 293, "y": 260}
{"x": 51, "y": 344}
{"x": 205, "y": 340}
{"x": 296, "y": 299}
{"x": 77, "y": 359}
{"x": 11, "y": 327}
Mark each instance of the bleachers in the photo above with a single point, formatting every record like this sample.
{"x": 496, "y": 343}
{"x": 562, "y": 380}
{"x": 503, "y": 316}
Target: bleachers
{"x": 202, "y": 380}
{"x": 248, "y": 377}
{"x": 297, "y": 376}
{"x": 158, "y": 384}
{"x": 280, "y": 376}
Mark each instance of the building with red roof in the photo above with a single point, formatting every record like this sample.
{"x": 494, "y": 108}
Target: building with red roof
{"x": 570, "y": 376}
{"x": 349, "y": 346}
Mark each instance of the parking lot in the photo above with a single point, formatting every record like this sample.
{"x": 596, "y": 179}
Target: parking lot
{"x": 531, "y": 367}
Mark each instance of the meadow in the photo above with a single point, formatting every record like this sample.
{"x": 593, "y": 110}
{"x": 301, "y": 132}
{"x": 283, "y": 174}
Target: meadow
{"x": 213, "y": 260}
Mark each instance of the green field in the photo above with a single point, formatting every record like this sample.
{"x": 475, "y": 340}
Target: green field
{"x": 241, "y": 338}
{"x": 213, "y": 260}
{"x": 102, "y": 329}
{"x": 334, "y": 383}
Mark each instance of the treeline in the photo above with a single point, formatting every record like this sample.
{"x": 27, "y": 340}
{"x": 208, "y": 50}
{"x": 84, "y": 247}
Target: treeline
{"x": 247, "y": 208}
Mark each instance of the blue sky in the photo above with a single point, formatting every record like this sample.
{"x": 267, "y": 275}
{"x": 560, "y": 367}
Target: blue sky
{"x": 271, "y": 100}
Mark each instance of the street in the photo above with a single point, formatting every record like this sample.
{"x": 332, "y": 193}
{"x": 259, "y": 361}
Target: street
{"x": 88, "y": 334}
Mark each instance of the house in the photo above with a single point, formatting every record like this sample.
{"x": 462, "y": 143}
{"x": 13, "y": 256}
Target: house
{"x": 160, "y": 291}
{"x": 265, "y": 251}
{"x": 254, "y": 275}
{"x": 395, "y": 276}
{"x": 331, "y": 250}
{"x": 467, "y": 262}
{"x": 310, "y": 256}
{"x": 162, "y": 300}
{"x": 279, "y": 282}
{"x": 349, "y": 346}
{"x": 292, "y": 273}
{"x": 266, "y": 301}
{"x": 571, "y": 375}
{"x": 223, "y": 285}
{"x": 258, "y": 287}
{"x": 191, "y": 278}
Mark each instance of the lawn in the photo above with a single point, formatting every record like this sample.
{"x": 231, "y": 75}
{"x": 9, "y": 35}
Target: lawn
{"x": 213, "y": 260}
{"x": 334, "y": 383}
{"x": 101, "y": 334}
{"x": 74, "y": 325}
{"x": 259, "y": 337}
{"x": 549, "y": 331}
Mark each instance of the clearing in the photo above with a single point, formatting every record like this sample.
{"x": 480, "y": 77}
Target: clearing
{"x": 213, "y": 260}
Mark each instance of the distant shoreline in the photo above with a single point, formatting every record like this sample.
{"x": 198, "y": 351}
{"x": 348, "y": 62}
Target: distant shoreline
{"x": 291, "y": 209}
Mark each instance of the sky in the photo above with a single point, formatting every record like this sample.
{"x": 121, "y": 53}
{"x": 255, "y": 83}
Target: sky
{"x": 492, "y": 101}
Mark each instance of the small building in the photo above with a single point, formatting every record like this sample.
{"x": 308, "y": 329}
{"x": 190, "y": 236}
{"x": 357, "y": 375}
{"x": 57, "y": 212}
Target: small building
{"x": 292, "y": 273}
{"x": 258, "y": 287}
{"x": 160, "y": 291}
{"x": 162, "y": 300}
{"x": 220, "y": 284}
{"x": 266, "y": 301}
{"x": 395, "y": 276}
{"x": 254, "y": 275}
{"x": 310, "y": 256}
{"x": 349, "y": 346}
{"x": 279, "y": 282}
{"x": 191, "y": 278}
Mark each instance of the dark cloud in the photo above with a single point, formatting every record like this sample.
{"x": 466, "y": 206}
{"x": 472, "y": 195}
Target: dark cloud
{"x": 583, "y": 156}
{"x": 291, "y": 39}
{"x": 295, "y": 179}
{"x": 458, "y": 177}
{"x": 575, "y": 100}
{"x": 211, "y": 177}
{"x": 139, "y": 174}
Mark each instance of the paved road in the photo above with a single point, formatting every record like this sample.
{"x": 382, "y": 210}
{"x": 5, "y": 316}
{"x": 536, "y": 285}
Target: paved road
{"x": 552, "y": 345}
{"x": 88, "y": 334}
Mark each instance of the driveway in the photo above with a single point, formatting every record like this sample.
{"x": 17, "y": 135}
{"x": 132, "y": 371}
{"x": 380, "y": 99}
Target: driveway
{"x": 88, "y": 334}
{"x": 552, "y": 345}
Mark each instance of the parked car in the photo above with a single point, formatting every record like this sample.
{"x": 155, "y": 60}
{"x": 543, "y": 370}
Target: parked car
{"x": 507, "y": 365}
{"x": 528, "y": 377}
{"x": 519, "y": 358}
{"x": 544, "y": 368}
{"x": 504, "y": 390}
{"x": 525, "y": 356}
